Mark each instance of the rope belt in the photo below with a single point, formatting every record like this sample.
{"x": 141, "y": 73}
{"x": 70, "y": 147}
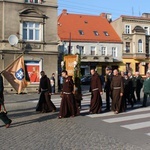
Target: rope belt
{"x": 116, "y": 88}
{"x": 95, "y": 89}
{"x": 44, "y": 90}
{"x": 66, "y": 93}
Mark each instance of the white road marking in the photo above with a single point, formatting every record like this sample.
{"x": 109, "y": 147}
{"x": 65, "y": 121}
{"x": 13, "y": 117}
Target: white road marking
{"x": 135, "y": 126}
{"x": 127, "y": 118}
{"x": 147, "y": 134}
{"x": 112, "y": 113}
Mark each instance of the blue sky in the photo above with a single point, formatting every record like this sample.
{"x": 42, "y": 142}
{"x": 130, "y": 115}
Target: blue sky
{"x": 115, "y": 7}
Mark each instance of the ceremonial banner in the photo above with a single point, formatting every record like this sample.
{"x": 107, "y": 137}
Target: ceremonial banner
{"x": 70, "y": 62}
{"x": 15, "y": 74}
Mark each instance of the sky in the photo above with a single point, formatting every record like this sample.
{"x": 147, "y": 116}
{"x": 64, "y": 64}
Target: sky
{"x": 96, "y": 7}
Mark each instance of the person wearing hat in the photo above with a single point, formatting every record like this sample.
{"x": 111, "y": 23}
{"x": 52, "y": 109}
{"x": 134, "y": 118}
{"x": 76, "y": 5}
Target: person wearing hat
{"x": 108, "y": 79}
{"x": 146, "y": 88}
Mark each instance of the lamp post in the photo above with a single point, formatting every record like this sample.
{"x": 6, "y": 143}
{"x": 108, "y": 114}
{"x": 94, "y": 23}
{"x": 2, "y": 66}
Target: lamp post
{"x": 62, "y": 64}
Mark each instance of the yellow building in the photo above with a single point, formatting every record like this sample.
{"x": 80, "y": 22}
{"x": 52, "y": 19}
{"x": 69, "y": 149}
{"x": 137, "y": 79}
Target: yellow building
{"x": 135, "y": 34}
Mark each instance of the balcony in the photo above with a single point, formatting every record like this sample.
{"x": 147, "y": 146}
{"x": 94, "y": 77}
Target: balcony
{"x": 129, "y": 55}
{"x": 96, "y": 58}
{"x": 126, "y": 55}
{"x": 139, "y": 56}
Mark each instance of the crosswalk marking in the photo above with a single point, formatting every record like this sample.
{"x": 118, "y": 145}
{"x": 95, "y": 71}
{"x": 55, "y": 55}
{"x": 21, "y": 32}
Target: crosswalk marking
{"x": 112, "y": 113}
{"x": 124, "y": 121}
{"x": 135, "y": 126}
{"x": 147, "y": 134}
{"x": 127, "y": 118}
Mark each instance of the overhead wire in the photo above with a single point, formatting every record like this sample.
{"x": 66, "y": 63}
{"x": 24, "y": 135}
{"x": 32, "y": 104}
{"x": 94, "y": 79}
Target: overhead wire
{"x": 81, "y": 8}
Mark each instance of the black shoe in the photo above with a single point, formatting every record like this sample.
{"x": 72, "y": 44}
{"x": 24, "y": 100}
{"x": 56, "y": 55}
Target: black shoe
{"x": 132, "y": 105}
{"x": 106, "y": 110}
{"x": 8, "y": 125}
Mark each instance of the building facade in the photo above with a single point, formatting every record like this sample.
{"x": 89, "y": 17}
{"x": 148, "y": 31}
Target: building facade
{"x": 34, "y": 24}
{"x": 135, "y": 34}
{"x": 93, "y": 38}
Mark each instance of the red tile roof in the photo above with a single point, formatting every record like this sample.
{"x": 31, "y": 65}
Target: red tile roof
{"x": 72, "y": 23}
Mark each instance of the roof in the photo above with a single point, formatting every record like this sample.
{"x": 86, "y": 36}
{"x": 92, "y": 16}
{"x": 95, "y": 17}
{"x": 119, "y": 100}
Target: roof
{"x": 70, "y": 24}
{"x": 143, "y": 17}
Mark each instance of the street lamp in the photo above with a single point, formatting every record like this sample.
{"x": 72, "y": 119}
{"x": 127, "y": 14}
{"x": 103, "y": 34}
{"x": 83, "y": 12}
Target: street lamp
{"x": 62, "y": 64}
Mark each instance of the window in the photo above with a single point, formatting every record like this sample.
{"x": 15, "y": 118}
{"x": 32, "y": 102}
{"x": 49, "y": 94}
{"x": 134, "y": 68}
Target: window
{"x": 96, "y": 33}
{"x": 137, "y": 67}
{"x": 114, "y": 51}
{"x": 81, "y": 32}
{"x": 106, "y": 33}
{"x": 146, "y": 30}
{"x": 31, "y": 31}
{"x": 127, "y": 47}
{"x": 103, "y": 50}
{"x": 127, "y": 29}
{"x": 92, "y": 50}
{"x": 128, "y": 67}
{"x": 32, "y": 1}
{"x": 140, "y": 50}
{"x": 81, "y": 50}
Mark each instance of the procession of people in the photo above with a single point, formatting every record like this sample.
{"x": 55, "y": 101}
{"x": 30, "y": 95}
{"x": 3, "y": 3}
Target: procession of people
{"x": 121, "y": 89}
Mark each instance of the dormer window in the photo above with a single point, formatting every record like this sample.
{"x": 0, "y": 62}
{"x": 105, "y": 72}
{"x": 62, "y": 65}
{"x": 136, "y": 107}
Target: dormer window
{"x": 106, "y": 33}
{"x": 32, "y": 1}
{"x": 81, "y": 32}
{"x": 96, "y": 33}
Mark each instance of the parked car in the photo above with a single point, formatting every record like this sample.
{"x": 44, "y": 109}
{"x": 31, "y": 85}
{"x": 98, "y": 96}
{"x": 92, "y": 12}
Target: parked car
{"x": 85, "y": 80}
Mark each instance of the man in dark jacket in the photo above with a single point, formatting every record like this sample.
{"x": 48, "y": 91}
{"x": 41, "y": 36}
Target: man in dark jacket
{"x": 132, "y": 85}
{"x": 52, "y": 81}
{"x": 3, "y": 115}
{"x": 127, "y": 91}
{"x": 108, "y": 79}
{"x": 139, "y": 84}
{"x": 146, "y": 88}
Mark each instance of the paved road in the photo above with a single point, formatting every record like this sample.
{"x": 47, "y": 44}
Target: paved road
{"x": 106, "y": 131}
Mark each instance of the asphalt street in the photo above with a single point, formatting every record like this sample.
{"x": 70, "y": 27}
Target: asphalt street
{"x": 44, "y": 131}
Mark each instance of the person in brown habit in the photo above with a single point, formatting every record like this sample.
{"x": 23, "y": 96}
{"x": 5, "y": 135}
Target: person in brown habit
{"x": 96, "y": 92}
{"x": 45, "y": 104}
{"x": 68, "y": 106}
{"x": 117, "y": 87}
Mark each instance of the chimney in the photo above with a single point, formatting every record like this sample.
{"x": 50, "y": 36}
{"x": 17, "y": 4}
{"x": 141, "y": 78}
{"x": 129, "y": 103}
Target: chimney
{"x": 64, "y": 11}
{"x": 108, "y": 16}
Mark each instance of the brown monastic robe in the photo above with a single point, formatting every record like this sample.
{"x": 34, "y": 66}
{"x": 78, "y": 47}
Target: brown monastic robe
{"x": 45, "y": 104}
{"x": 117, "y": 87}
{"x": 68, "y": 105}
{"x": 96, "y": 100}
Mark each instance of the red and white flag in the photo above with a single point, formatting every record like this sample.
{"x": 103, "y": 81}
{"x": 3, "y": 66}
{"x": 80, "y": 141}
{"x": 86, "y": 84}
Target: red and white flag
{"x": 15, "y": 74}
